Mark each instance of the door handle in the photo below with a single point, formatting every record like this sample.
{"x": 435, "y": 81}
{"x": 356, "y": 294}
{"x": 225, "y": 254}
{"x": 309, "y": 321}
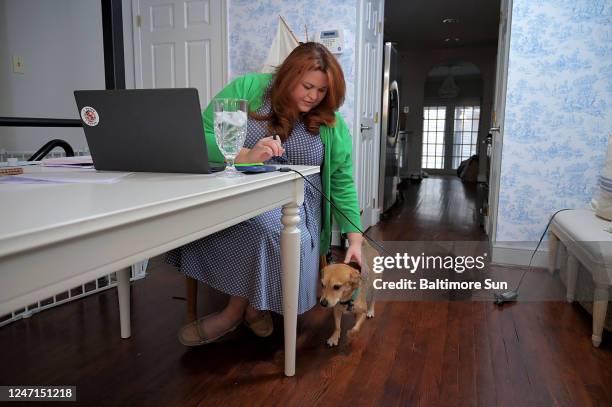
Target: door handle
{"x": 495, "y": 128}
{"x": 363, "y": 127}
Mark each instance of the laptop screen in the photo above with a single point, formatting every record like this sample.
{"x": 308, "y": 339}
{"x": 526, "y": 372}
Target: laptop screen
{"x": 150, "y": 130}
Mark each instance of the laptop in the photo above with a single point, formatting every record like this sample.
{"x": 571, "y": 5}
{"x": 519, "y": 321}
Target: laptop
{"x": 145, "y": 130}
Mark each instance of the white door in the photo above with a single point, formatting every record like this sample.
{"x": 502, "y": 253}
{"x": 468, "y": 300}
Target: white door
{"x": 366, "y": 132}
{"x": 179, "y": 44}
{"x": 497, "y": 116}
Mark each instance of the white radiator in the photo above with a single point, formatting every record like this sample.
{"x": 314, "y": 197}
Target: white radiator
{"x": 103, "y": 283}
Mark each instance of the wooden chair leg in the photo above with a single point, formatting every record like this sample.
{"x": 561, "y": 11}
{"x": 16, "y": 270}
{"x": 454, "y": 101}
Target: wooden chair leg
{"x": 322, "y": 262}
{"x": 192, "y": 298}
{"x": 600, "y": 307}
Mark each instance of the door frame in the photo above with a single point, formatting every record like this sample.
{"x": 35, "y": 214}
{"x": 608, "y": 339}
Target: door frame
{"x": 359, "y": 94}
{"x": 134, "y": 62}
{"x": 501, "y": 80}
{"x": 498, "y": 116}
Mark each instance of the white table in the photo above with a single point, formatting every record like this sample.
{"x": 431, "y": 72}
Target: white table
{"x": 55, "y": 237}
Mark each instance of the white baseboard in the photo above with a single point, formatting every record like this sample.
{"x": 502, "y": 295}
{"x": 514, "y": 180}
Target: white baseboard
{"x": 519, "y": 255}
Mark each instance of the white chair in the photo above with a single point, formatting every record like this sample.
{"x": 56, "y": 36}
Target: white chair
{"x": 585, "y": 242}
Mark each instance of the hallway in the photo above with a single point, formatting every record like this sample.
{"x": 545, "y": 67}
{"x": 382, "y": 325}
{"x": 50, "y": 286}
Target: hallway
{"x": 437, "y": 208}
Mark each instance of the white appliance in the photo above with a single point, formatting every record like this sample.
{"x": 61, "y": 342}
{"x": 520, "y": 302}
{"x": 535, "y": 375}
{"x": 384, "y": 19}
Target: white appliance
{"x": 389, "y": 135}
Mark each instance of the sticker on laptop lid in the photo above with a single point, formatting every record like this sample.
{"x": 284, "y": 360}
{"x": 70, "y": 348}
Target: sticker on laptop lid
{"x": 90, "y": 116}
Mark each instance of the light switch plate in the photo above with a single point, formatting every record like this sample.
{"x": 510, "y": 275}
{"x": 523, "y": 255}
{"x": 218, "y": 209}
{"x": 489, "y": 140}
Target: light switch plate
{"x": 18, "y": 64}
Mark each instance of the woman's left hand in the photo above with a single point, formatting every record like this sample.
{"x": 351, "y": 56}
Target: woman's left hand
{"x": 353, "y": 253}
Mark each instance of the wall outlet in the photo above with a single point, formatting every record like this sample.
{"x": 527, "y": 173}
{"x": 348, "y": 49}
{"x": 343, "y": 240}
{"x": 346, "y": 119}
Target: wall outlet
{"x": 18, "y": 64}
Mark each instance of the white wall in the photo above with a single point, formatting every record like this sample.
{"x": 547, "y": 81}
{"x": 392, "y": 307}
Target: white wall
{"x": 253, "y": 24}
{"x": 558, "y": 113}
{"x": 61, "y": 44}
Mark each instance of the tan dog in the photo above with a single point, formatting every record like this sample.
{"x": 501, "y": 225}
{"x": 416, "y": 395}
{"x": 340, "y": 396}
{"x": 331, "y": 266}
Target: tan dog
{"x": 345, "y": 290}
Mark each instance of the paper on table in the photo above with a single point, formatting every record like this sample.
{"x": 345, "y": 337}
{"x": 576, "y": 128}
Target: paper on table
{"x": 84, "y": 166}
{"x": 84, "y": 161}
{"x": 60, "y": 177}
{"x": 19, "y": 163}
{"x": 12, "y": 179}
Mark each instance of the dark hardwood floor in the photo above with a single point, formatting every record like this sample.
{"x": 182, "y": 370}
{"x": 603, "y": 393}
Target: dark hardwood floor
{"x": 412, "y": 353}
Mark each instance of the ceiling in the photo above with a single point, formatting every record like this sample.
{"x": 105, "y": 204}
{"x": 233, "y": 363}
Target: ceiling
{"x": 417, "y": 24}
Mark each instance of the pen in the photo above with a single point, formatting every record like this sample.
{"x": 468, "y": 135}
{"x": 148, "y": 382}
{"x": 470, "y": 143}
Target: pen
{"x": 275, "y": 137}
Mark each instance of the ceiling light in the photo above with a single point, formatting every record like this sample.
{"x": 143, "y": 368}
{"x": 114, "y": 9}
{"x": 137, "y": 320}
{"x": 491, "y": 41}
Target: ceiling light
{"x": 449, "y": 20}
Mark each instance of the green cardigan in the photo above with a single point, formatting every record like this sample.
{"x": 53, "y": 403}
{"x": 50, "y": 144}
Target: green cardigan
{"x": 337, "y": 170}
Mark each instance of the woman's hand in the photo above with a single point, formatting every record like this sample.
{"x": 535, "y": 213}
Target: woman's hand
{"x": 265, "y": 149}
{"x": 353, "y": 253}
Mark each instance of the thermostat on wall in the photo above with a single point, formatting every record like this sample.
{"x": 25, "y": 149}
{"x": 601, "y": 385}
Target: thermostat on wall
{"x": 332, "y": 39}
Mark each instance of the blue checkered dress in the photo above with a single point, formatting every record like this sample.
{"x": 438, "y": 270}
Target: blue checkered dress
{"x": 244, "y": 260}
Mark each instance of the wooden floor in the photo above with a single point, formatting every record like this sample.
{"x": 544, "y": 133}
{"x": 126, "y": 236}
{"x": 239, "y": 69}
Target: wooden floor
{"x": 411, "y": 353}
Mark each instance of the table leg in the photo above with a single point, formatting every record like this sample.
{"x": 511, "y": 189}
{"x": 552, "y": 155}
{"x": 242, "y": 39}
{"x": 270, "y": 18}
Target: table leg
{"x": 572, "y": 275}
{"x": 600, "y": 306}
{"x": 290, "y": 262}
{"x": 123, "y": 293}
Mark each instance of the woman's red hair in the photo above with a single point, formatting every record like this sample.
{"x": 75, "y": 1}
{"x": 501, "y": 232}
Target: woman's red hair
{"x": 310, "y": 56}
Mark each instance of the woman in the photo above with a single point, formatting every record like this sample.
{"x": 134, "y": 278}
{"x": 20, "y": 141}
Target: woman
{"x": 298, "y": 103}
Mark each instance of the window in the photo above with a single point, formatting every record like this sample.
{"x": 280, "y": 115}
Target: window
{"x": 450, "y": 135}
{"x": 434, "y": 120}
{"x": 465, "y": 133}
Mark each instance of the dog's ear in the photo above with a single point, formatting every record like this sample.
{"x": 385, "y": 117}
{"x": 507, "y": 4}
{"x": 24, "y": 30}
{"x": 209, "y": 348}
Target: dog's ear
{"x": 354, "y": 265}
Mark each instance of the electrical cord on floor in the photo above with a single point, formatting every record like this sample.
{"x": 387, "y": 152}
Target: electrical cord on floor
{"x": 512, "y": 295}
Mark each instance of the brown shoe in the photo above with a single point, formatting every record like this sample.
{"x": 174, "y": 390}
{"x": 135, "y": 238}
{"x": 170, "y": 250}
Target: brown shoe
{"x": 191, "y": 334}
{"x": 261, "y": 325}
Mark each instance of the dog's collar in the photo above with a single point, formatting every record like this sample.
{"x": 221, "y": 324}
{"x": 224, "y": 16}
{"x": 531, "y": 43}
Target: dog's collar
{"x": 351, "y": 301}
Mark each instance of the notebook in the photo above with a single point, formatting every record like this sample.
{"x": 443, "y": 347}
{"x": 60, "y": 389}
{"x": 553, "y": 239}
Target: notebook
{"x": 145, "y": 130}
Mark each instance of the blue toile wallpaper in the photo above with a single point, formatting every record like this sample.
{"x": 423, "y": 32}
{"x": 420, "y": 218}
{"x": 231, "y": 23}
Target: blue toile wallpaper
{"x": 558, "y": 111}
{"x": 253, "y": 25}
